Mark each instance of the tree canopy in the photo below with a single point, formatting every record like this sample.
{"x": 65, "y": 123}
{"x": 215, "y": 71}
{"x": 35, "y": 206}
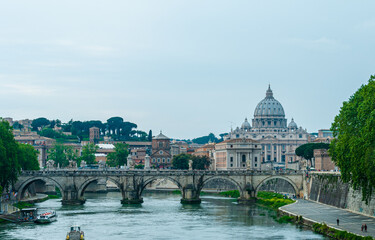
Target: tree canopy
{"x": 206, "y": 139}
{"x": 181, "y": 161}
{"x": 39, "y": 123}
{"x": 88, "y": 153}
{"x": 353, "y": 149}
{"x": 9, "y": 165}
{"x": 13, "y": 157}
{"x": 119, "y": 156}
{"x": 307, "y": 150}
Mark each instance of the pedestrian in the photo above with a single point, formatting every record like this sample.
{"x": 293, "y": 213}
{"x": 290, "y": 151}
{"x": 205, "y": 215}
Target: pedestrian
{"x": 338, "y": 221}
{"x": 365, "y": 227}
{"x": 362, "y": 228}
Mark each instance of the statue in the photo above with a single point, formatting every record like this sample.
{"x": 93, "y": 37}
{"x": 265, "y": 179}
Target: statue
{"x": 72, "y": 164}
{"x": 147, "y": 162}
{"x": 101, "y": 164}
{"x": 130, "y": 162}
{"x": 190, "y": 164}
{"x": 83, "y": 164}
{"x": 50, "y": 164}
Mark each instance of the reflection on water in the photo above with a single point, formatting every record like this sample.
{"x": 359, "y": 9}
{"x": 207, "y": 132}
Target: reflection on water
{"x": 161, "y": 216}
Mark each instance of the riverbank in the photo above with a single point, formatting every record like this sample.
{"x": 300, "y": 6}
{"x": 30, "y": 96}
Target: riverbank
{"x": 323, "y": 219}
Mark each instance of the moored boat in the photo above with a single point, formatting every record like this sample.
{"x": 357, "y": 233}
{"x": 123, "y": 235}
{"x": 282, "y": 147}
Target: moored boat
{"x": 75, "y": 233}
{"x": 46, "y": 217}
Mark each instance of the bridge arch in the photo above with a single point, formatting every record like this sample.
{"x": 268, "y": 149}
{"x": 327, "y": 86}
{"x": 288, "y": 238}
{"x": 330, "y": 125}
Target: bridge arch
{"x": 85, "y": 184}
{"x": 150, "y": 180}
{"x": 240, "y": 189}
{"x": 277, "y": 177}
{"x": 25, "y": 185}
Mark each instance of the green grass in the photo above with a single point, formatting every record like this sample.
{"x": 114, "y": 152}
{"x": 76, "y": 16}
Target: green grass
{"x": 336, "y": 234}
{"x": 53, "y": 197}
{"x": 22, "y": 205}
{"x": 272, "y": 200}
{"x": 231, "y": 194}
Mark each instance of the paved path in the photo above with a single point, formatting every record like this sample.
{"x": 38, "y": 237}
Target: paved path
{"x": 349, "y": 221}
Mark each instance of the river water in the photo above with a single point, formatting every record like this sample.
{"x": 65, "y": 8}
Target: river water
{"x": 161, "y": 216}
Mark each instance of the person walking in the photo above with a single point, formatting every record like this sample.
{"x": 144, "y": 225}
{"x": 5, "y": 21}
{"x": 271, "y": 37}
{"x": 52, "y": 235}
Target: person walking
{"x": 362, "y": 228}
{"x": 338, "y": 222}
{"x": 365, "y": 227}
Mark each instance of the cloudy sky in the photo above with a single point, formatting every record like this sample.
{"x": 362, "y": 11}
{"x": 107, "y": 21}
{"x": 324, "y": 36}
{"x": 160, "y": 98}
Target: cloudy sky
{"x": 185, "y": 67}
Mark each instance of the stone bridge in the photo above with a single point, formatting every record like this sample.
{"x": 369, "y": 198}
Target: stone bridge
{"x": 72, "y": 183}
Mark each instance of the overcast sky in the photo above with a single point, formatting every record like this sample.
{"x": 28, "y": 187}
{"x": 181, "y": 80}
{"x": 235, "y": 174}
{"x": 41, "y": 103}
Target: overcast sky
{"x": 185, "y": 67}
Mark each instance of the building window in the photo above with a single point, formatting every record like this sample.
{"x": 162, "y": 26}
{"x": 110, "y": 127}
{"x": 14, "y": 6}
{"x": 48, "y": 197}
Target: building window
{"x": 274, "y": 159}
{"x": 158, "y": 160}
{"x": 256, "y": 159}
{"x": 161, "y": 152}
{"x": 268, "y": 157}
{"x": 274, "y": 147}
{"x": 291, "y": 159}
{"x": 231, "y": 165}
{"x": 300, "y": 136}
{"x": 160, "y": 144}
{"x": 163, "y": 160}
{"x": 268, "y": 147}
{"x": 256, "y": 146}
{"x": 231, "y": 146}
{"x": 283, "y": 158}
{"x": 262, "y": 147}
{"x": 243, "y": 165}
{"x": 153, "y": 160}
{"x": 243, "y": 158}
{"x": 231, "y": 159}
{"x": 269, "y": 123}
{"x": 168, "y": 160}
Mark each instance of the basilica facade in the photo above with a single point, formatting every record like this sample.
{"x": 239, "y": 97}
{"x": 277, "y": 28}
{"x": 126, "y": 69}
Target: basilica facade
{"x": 270, "y": 128}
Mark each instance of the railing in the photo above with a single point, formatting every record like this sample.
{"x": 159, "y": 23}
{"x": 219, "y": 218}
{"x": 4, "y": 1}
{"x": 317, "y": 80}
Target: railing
{"x": 72, "y": 172}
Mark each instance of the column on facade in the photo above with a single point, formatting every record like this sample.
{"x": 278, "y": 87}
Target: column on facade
{"x": 278, "y": 150}
{"x": 272, "y": 152}
{"x": 251, "y": 160}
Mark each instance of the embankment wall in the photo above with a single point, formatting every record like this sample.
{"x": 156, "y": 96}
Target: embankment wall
{"x": 328, "y": 188}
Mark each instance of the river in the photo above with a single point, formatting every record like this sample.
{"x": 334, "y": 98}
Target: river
{"x": 161, "y": 216}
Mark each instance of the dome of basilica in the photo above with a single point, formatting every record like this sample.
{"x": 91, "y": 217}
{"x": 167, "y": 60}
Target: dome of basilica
{"x": 246, "y": 125}
{"x": 292, "y": 124}
{"x": 269, "y": 106}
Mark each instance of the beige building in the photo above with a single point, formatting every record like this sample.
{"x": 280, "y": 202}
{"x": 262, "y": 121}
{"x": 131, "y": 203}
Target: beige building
{"x": 278, "y": 140}
{"x": 240, "y": 153}
{"x": 323, "y": 162}
{"x": 207, "y": 150}
{"x": 42, "y": 144}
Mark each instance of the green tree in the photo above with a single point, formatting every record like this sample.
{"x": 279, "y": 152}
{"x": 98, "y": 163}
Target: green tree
{"x": 206, "y": 139}
{"x": 27, "y": 157}
{"x": 9, "y": 165}
{"x": 201, "y": 162}
{"x": 39, "y": 123}
{"x": 58, "y": 154}
{"x": 119, "y": 156}
{"x": 88, "y": 153}
{"x": 181, "y": 161}
{"x": 149, "y": 136}
{"x": 307, "y": 150}
{"x": 353, "y": 149}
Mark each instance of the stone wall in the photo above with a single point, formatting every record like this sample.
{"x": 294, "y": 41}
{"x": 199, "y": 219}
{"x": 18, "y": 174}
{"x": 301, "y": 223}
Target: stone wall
{"x": 329, "y": 189}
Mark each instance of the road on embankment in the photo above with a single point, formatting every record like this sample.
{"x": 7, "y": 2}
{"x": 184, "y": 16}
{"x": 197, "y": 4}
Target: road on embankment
{"x": 348, "y": 221}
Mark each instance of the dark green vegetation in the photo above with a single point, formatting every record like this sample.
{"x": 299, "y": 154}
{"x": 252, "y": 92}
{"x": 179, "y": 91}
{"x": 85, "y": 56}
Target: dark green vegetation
{"x": 353, "y": 149}
{"x": 119, "y": 156}
{"x": 14, "y": 157}
{"x": 22, "y": 205}
{"x": 231, "y": 194}
{"x": 209, "y": 138}
{"x": 307, "y": 150}
{"x": 61, "y": 154}
{"x": 336, "y": 234}
{"x": 115, "y": 127}
{"x": 272, "y": 200}
{"x": 181, "y": 161}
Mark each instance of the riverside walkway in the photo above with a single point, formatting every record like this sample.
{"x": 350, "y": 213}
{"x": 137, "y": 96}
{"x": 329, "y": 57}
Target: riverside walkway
{"x": 349, "y": 221}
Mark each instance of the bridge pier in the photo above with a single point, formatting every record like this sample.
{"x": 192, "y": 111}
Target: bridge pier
{"x": 131, "y": 197}
{"x": 247, "y": 196}
{"x": 190, "y": 195}
{"x": 72, "y": 198}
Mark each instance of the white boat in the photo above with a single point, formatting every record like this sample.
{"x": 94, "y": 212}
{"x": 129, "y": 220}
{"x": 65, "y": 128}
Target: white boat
{"x": 75, "y": 233}
{"x": 46, "y": 217}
